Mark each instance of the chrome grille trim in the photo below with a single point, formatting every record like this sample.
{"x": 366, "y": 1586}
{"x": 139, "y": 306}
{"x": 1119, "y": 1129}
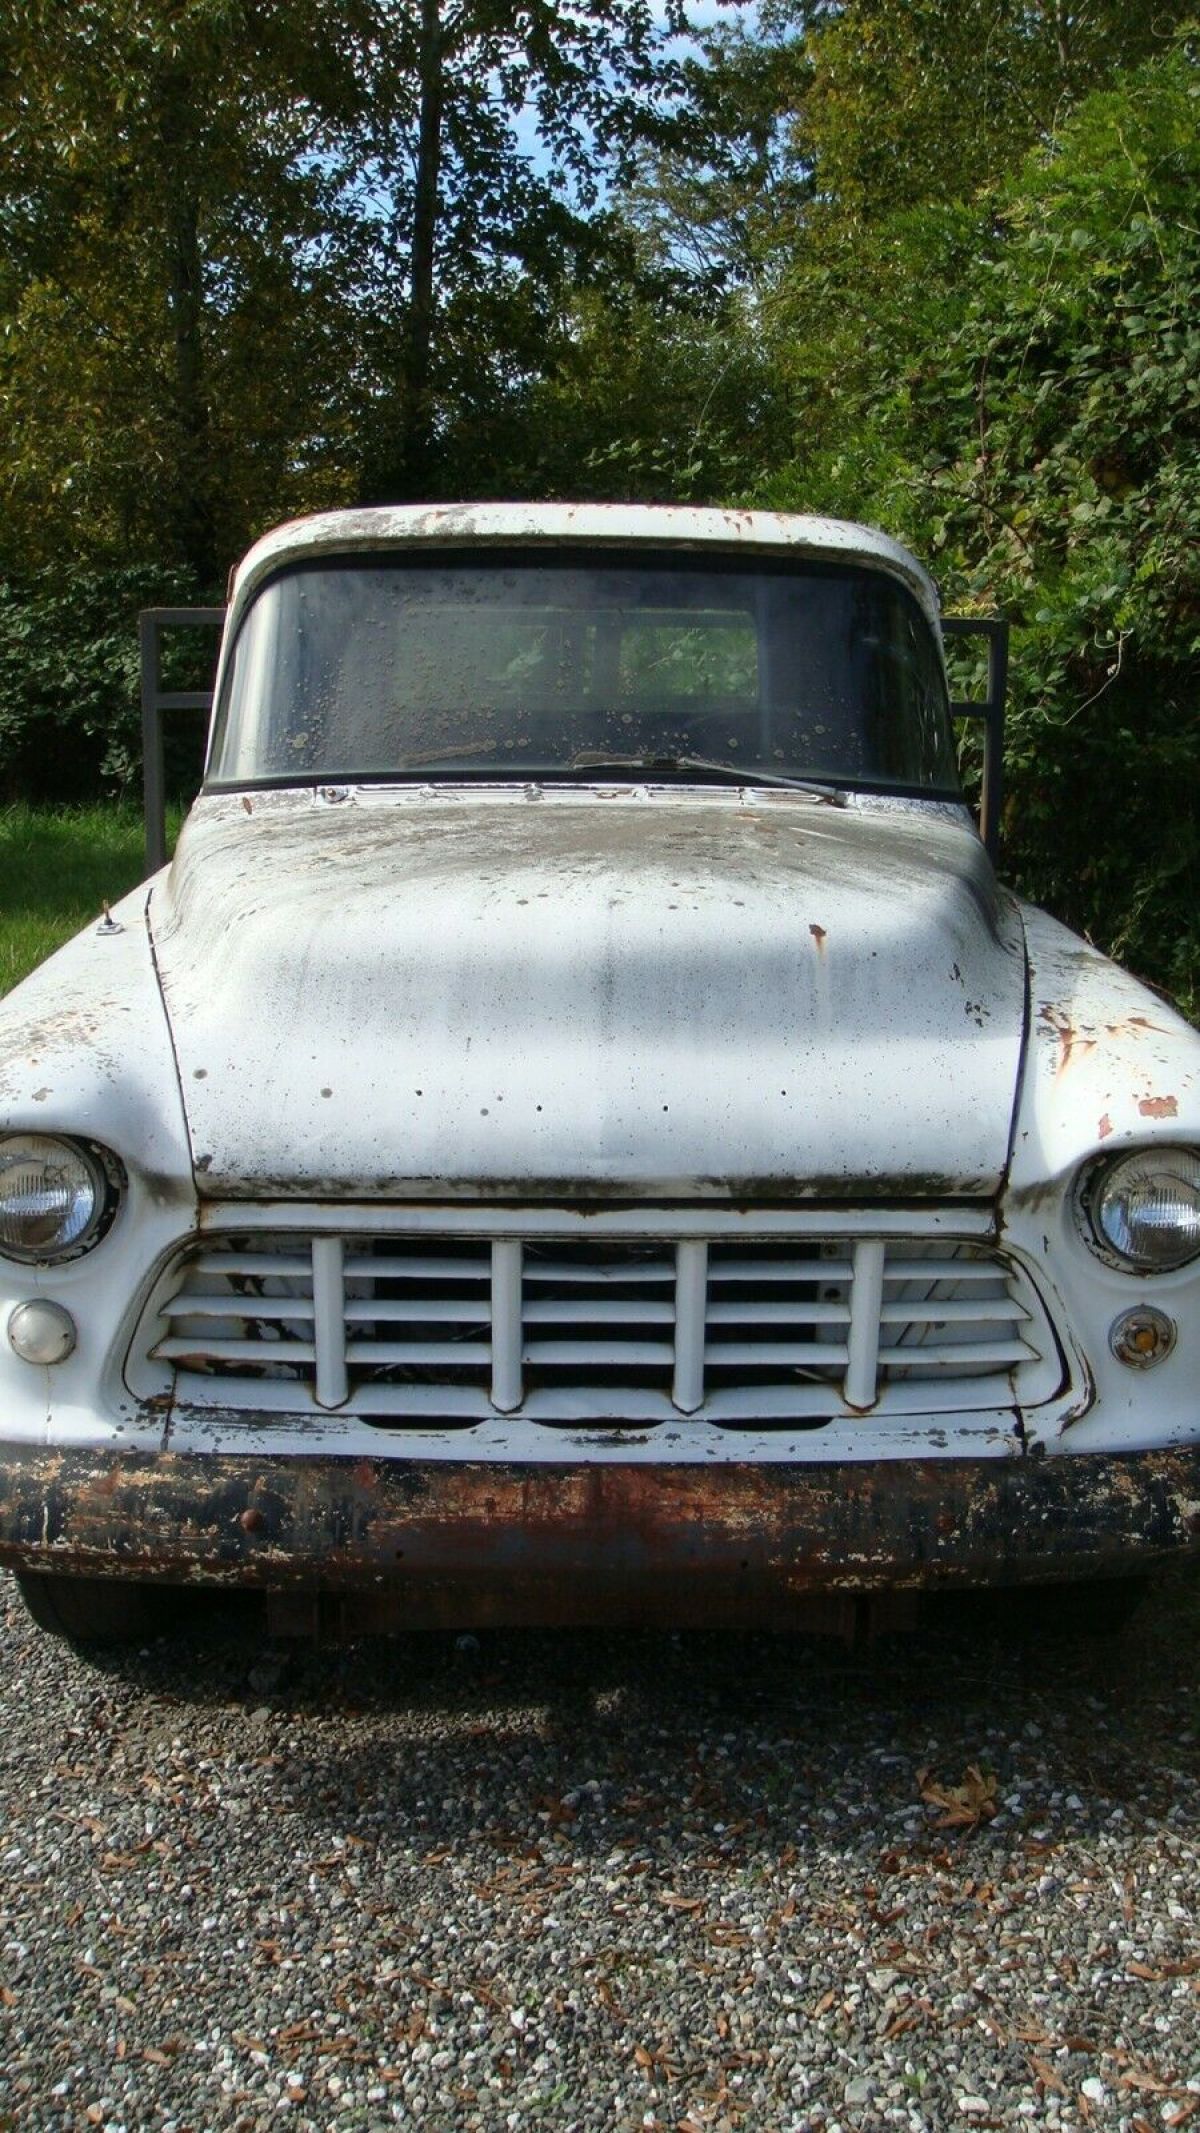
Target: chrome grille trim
{"x": 749, "y": 1325}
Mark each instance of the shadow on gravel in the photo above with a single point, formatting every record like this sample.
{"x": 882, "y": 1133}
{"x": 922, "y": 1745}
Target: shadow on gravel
{"x": 461, "y": 1732}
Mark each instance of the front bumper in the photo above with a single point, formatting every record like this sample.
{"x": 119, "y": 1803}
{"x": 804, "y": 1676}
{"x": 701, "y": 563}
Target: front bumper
{"x": 439, "y": 1544}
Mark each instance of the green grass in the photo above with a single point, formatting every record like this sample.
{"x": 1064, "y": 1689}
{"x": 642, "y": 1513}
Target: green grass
{"x": 58, "y": 865}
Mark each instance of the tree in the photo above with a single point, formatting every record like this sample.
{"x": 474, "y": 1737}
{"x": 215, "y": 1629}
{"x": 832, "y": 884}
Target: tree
{"x": 915, "y": 100}
{"x": 163, "y": 206}
{"x": 470, "y": 230}
{"x": 261, "y": 257}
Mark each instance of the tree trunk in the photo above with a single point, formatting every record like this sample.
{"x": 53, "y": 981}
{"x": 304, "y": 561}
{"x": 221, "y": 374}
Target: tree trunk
{"x": 189, "y": 507}
{"x": 404, "y": 461}
{"x": 419, "y": 410}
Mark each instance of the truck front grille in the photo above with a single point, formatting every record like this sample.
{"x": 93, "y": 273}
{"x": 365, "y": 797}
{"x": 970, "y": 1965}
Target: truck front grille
{"x": 739, "y": 1328}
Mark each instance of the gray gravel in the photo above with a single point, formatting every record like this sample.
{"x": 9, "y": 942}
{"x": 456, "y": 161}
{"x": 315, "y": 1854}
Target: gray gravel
{"x": 586, "y": 1882}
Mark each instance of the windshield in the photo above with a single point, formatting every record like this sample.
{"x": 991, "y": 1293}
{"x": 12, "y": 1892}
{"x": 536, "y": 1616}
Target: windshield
{"x": 531, "y": 664}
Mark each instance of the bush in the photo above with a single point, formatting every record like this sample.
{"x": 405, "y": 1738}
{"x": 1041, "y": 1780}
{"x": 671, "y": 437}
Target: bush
{"x": 70, "y": 702}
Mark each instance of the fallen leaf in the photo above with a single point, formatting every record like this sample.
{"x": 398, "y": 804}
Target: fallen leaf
{"x": 1047, "y": 2076}
{"x": 680, "y": 1903}
{"x": 899, "y": 2023}
{"x": 963, "y": 1806}
{"x": 1139, "y": 2078}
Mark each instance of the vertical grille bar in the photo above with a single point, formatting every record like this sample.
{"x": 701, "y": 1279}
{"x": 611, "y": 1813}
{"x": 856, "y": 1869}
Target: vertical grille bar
{"x": 862, "y": 1346}
{"x": 332, "y": 1385}
{"x": 691, "y": 1300}
{"x": 507, "y": 1330}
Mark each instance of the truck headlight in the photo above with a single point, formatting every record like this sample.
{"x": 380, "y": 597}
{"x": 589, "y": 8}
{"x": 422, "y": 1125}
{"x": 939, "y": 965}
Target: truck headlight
{"x": 1144, "y": 1208}
{"x": 57, "y": 1197}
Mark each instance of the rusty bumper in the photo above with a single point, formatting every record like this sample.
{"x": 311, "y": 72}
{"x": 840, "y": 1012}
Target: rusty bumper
{"x": 442, "y": 1543}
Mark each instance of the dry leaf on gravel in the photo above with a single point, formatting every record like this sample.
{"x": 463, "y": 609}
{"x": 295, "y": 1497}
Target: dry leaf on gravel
{"x": 1047, "y": 2076}
{"x": 1153, "y": 2084}
{"x": 963, "y": 1806}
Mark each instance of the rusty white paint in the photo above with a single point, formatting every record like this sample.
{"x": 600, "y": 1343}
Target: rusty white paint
{"x": 1109, "y": 1066}
{"x": 372, "y": 999}
{"x": 661, "y": 992}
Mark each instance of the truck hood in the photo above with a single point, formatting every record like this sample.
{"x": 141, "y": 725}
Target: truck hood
{"x": 408, "y": 992}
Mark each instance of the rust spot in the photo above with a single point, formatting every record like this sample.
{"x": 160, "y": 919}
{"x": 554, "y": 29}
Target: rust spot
{"x": 1070, "y": 1043}
{"x": 819, "y": 935}
{"x": 1104, "y": 1128}
{"x": 1159, "y": 1107}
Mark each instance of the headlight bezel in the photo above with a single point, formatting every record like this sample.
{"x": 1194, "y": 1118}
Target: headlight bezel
{"x": 108, "y": 1180}
{"x": 1100, "y": 1178}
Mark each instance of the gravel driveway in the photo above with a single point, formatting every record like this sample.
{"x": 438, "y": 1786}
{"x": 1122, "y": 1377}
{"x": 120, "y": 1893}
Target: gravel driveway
{"x": 602, "y": 1882}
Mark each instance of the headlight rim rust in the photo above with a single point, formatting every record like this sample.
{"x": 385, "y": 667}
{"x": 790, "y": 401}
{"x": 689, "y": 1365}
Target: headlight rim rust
{"x": 1097, "y": 1182}
{"x": 108, "y": 1181}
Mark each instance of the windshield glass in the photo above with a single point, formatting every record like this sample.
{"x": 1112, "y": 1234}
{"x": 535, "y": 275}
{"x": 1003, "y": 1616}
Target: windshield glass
{"x": 532, "y": 665}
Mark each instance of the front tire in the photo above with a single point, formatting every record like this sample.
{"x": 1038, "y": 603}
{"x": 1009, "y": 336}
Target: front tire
{"x": 87, "y": 1611}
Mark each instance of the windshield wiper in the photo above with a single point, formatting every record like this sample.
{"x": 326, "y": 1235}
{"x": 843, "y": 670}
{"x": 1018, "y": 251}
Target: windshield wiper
{"x": 595, "y": 759}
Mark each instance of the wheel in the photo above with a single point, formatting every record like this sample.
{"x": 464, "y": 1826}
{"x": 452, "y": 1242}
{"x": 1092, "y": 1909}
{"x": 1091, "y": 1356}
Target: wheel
{"x": 98, "y": 1610}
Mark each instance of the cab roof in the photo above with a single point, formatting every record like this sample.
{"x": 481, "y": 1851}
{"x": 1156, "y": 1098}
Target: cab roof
{"x": 396, "y": 526}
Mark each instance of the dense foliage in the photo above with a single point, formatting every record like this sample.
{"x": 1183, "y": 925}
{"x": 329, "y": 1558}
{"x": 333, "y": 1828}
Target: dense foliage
{"x": 932, "y": 263}
{"x": 1012, "y": 384}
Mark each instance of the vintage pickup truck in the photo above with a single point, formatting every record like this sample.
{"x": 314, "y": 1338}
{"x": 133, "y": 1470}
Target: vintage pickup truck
{"x": 578, "y": 1132}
